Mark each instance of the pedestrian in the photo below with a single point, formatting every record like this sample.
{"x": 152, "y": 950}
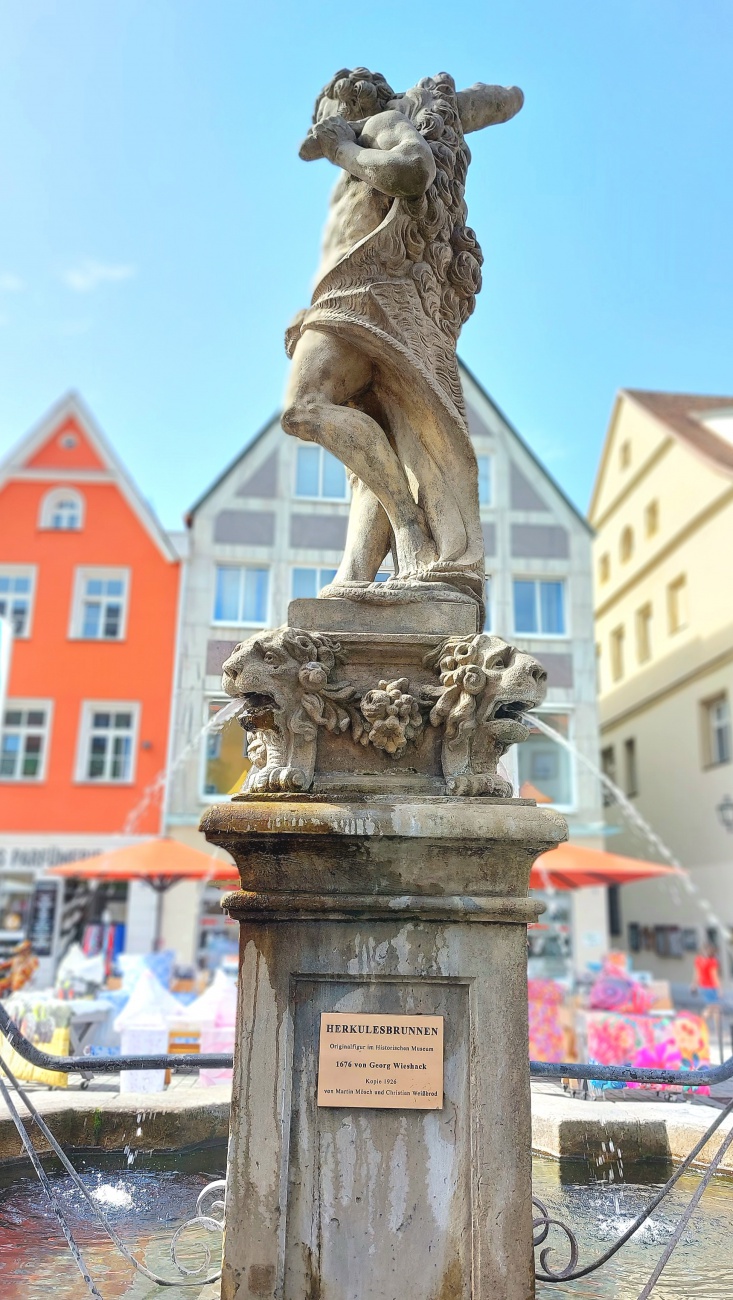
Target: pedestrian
{"x": 707, "y": 980}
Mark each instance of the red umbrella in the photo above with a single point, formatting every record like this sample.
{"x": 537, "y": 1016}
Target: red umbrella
{"x": 570, "y": 866}
{"x": 160, "y": 863}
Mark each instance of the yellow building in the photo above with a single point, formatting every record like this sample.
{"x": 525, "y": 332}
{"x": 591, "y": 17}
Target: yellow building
{"x": 662, "y": 509}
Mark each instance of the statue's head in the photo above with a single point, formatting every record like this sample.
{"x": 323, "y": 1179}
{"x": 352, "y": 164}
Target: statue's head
{"x": 353, "y": 93}
{"x": 272, "y": 670}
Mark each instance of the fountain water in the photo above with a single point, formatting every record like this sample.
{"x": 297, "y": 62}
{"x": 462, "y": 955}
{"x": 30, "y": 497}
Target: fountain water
{"x": 640, "y": 825}
{"x": 160, "y": 783}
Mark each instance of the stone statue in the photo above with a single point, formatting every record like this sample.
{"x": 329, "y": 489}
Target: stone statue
{"x": 294, "y": 684}
{"x": 374, "y": 377}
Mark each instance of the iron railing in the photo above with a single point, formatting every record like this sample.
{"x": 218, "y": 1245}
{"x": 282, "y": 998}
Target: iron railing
{"x": 189, "y": 1062}
{"x": 547, "y": 1272}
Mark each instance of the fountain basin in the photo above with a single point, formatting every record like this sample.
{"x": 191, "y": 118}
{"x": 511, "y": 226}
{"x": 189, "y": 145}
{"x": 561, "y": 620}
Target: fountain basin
{"x": 148, "y": 1201}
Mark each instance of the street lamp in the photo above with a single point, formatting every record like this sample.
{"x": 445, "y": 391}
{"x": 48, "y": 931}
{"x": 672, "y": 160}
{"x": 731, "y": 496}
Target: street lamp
{"x": 725, "y": 812}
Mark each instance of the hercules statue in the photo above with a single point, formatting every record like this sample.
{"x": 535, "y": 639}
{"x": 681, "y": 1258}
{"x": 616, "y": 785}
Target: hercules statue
{"x": 374, "y": 377}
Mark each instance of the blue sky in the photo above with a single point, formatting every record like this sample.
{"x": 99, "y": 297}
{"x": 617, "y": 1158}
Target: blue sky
{"x": 157, "y": 230}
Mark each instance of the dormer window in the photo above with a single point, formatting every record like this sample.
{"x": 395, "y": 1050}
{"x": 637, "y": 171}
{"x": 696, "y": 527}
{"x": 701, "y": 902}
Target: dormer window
{"x": 62, "y": 510}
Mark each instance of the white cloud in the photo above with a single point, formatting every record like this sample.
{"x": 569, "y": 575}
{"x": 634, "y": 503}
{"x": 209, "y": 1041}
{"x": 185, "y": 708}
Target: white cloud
{"x": 10, "y": 283}
{"x": 88, "y": 274}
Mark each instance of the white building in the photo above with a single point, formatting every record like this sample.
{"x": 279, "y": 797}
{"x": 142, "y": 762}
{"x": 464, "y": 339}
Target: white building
{"x": 272, "y": 527}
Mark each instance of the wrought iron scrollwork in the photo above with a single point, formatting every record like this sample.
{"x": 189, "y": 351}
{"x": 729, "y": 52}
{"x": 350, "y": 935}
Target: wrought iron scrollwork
{"x": 540, "y": 1232}
{"x": 212, "y": 1220}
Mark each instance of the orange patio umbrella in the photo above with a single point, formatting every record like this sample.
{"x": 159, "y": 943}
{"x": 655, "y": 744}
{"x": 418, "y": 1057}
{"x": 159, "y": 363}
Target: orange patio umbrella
{"x": 160, "y": 863}
{"x": 570, "y": 866}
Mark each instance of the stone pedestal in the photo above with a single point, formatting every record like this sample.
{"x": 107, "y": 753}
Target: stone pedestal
{"x": 399, "y": 905}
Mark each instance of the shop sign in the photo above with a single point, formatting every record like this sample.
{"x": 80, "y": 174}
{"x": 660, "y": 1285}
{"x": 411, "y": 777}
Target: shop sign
{"x": 39, "y": 857}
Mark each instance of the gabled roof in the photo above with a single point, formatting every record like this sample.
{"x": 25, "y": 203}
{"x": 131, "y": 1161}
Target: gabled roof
{"x": 27, "y": 458}
{"x": 228, "y": 469}
{"x": 683, "y": 414}
{"x": 462, "y": 367}
{"x": 526, "y": 447}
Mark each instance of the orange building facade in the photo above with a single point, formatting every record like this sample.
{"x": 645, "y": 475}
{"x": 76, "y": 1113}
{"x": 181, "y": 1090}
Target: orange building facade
{"x": 89, "y": 589}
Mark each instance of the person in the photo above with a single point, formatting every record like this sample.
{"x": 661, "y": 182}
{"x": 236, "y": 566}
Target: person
{"x": 707, "y": 980}
{"x": 374, "y": 378}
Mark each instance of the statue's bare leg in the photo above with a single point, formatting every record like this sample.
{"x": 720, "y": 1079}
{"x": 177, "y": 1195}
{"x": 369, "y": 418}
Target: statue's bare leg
{"x": 327, "y": 373}
{"x": 368, "y": 537}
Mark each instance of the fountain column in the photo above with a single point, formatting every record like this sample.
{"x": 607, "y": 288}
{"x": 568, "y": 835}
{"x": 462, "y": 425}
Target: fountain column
{"x": 379, "y": 893}
{"x": 384, "y": 865}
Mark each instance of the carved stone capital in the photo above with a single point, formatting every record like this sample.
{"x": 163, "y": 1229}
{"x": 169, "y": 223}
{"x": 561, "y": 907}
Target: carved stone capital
{"x": 297, "y": 685}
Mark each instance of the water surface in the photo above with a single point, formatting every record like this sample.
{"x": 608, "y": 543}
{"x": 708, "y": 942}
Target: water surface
{"x": 148, "y": 1201}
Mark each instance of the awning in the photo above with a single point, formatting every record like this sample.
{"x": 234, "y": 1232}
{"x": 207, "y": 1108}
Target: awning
{"x": 570, "y": 866}
{"x": 161, "y": 862}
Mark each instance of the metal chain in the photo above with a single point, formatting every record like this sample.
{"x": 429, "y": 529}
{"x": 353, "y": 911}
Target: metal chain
{"x": 112, "y": 1233}
{"x": 677, "y": 1234}
{"x": 570, "y": 1273}
{"x": 43, "y": 1179}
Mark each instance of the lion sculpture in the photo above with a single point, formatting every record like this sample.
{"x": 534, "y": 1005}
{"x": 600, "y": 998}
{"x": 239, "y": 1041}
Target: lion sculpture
{"x": 483, "y": 690}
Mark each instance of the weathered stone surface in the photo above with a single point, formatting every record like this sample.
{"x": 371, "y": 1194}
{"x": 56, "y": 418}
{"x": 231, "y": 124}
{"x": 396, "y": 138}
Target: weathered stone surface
{"x": 362, "y": 905}
{"x": 448, "y": 617}
{"x": 323, "y": 711}
{"x": 97, "y": 1120}
{"x": 383, "y": 847}
{"x": 568, "y": 1129}
{"x": 374, "y": 378}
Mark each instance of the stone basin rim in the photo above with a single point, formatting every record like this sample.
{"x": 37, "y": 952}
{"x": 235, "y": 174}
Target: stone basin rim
{"x": 428, "y": 818}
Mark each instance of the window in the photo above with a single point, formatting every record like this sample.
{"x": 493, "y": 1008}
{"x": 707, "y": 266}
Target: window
{"x": 16, "y": 598}
{"x": 545, "y": 764}
{"x": 604, "y": 567}
{"x": 716, "y": 731}
{"x": 319, "y": 474}
{"x": 631, "y": 775}
{"x": 651, "y": 518}
{"x": 15, "y": 908}
{"x": 617, "y": 653}
{"x": 539, "y": 607}
{"x": 626, "y": 545}
{"x": 100, "y": 604}
{"x": 644, "y": 633}
{"x": 62, "y": 510}
{"x": 242, "y": 595}
{"x": 24, "y": 740}
{"x": 107, "y": 740}
{"x": 225, "y": 762}
{"x": 608, "y": 768}
{"x": 484, "y": 480}
{"x": 308, "y": 582}
{"x": 677, "y": 604}
{"x": 624, "y": 454}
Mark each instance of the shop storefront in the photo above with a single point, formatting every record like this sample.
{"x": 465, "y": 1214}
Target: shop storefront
{"x": 48, "y": 911}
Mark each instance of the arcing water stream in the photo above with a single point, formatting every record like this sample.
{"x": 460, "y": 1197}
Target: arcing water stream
{"x": 640, "y": 825}
{"x": 156, "y": 789}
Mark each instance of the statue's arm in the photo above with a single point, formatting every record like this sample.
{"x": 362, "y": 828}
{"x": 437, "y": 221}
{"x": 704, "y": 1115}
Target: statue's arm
{"x": 389, "y": 154}
{"x": 481, "y": 105}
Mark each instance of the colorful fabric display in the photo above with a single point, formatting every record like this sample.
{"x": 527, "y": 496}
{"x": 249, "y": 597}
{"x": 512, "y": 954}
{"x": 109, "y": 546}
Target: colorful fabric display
{"x": 546, "y": 1036}
{"x": 619, "y": 993}
{"x": 669, "y": 1042}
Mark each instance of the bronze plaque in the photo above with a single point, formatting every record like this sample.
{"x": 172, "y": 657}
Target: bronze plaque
{"x": 372, "y": 1060}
